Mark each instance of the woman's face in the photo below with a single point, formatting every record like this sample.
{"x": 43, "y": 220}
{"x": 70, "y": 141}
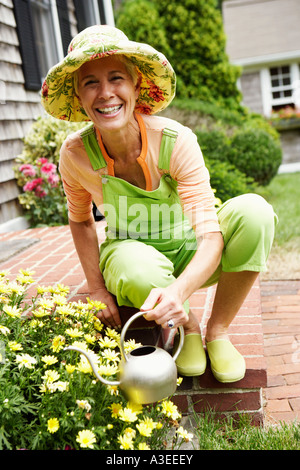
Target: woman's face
{"x": 107, "y": 93}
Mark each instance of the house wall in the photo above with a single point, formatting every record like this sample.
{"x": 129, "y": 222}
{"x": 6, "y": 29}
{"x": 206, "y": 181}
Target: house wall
{"x": 18, "y": 109}
{"x": 257, "y": 28}
{"x": 252, "y": 98}
{"x": 262, "y": 34}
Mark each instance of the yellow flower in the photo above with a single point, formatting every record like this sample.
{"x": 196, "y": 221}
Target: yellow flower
{"x": 65, "y": 310}
{"x": 113, "y": 389}
{"x": 115, "y": 409}
{"x": 12, "y": 311}
{"x": 25, "y": 360}
{"x": 128, "y": 415}
{"x": 61, "y": 288}
{"x": 70, "y": 368}
{"x": 50, "y": 376}
{"x": 14, "y": 346}
{"x": 143, "y": 446}
{"x": 16, "y": 288}
{"x": 84, "y": 366}
{"x": 26, "y": 272}
{"x": 107, "y": 369}
{"x": 146, "y": 426}
{"x": 74, "y": 332}
{"x": 107, "y": 342}
{"x": 97, "y": 324}
{"x": 113, "y": 333}
{"x": 126, "y": 442}
{"x": 83, "y": 404}
{"x": 95, "y": 304}
{"x": 58, "y": 343}
{"x": 4, "y": 330}
{"x": 110, "y": 355}
{"x": 24, "y": 279}
{"x": 42, "y": 290}
{"x": 130, "y": 345}
{"x": 86, "y": 439}
{"x": 40, "y": 312}
{"x": 59, "y": 299}
{"x": 130, "y": 432}
{"x": 46, "y": 303}
{"x": 184, "y": 434}
{"x": 90, "y": 338}
{"x": 53, "y": 425}
{"x": 170, "y": 410}
{"x": 49, "y": 360}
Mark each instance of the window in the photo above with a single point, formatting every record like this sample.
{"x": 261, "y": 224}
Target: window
{"x": 280, "y": 87}
{"x": 44, "y": 32}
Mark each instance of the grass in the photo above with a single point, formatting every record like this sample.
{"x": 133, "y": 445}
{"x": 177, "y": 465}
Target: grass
{"x": 227, "y": 434}
{"x": 284, "y": 194}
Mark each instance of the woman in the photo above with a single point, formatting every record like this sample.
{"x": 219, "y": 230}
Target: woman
{"x": 146, "y": 173}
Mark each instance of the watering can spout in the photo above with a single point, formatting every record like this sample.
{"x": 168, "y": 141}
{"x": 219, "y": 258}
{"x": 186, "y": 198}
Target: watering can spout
{"x": 93, "y": 365}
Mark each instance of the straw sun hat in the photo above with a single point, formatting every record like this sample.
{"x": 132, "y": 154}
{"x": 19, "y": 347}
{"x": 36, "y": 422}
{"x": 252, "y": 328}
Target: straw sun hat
{"x": 158, "y": 78}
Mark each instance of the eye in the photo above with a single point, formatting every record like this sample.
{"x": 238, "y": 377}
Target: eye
{"x": 116, "y": 77}
{"x": 90, "y": 82}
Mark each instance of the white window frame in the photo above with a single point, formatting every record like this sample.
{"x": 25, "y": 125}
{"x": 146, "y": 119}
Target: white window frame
{"x": 266, "y": 88}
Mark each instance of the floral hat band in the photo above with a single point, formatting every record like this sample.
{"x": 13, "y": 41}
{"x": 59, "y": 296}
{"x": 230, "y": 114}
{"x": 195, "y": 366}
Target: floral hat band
{"x": 158, "y": 77}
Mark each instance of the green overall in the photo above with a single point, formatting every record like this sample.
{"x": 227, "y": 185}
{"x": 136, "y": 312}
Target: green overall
{"x": 149, "y": 241}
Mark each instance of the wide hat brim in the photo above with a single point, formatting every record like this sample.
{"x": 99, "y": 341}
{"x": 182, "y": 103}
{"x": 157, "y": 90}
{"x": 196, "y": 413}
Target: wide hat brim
{"x": 158, "y": 83}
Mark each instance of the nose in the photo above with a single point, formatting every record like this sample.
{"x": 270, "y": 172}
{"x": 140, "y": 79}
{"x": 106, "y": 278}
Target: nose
{"x": 105, "y": 90}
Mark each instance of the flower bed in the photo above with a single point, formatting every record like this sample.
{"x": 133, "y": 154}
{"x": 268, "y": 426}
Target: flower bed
{"x": 49, "y": 398}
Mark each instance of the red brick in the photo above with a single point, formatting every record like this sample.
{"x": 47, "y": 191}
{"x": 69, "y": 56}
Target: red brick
{"x": 286, "y": 391}
{"x": 248, "y": 401}
{"x": 279, "y": 405}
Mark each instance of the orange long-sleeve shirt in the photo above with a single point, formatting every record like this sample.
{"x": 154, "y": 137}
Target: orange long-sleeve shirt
{"x": 83, "y": 185}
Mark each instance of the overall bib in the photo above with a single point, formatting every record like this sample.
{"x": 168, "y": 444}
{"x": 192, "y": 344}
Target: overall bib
{"x": 149, "y": 241}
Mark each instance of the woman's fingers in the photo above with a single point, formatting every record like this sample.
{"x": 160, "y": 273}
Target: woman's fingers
{"x": 164, "y": 308}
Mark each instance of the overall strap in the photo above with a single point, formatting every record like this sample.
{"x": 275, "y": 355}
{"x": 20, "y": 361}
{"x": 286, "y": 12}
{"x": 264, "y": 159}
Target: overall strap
{"x": 92, "y": 148}
{"x": 166, "y": 148}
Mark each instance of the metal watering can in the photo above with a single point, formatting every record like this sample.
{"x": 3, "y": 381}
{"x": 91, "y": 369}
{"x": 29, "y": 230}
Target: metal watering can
{"x": 147, "y": 374}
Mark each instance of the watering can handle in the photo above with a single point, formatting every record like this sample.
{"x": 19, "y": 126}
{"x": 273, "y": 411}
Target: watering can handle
{"x": 131, "y": 320}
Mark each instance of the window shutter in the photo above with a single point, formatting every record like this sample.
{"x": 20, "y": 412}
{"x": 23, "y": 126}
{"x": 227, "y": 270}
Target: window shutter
{"x": 80, "y": 15}
{"x": 30, "y": 62}
{"x": 64, "y": 23}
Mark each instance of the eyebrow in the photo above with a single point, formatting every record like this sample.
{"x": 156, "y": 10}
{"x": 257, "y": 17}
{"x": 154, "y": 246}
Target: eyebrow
{"x": 110, "y": 73}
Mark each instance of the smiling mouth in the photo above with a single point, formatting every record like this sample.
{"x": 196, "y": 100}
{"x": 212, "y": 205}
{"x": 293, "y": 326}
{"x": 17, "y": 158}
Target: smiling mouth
{"x": 109, "y": 109}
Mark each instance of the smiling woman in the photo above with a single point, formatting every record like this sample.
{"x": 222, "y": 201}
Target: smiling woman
{"x": 141, "y": 168}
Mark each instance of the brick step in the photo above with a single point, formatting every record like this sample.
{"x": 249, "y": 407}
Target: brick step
{"x": 54, "y": 260}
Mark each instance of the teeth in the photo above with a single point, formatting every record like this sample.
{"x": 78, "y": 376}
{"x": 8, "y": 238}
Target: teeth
{"x": 109, "y": 110}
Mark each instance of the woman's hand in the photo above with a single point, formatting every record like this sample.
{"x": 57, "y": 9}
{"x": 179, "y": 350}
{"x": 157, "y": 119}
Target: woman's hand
{"x": 164, "y": 304}
{"x": 110, "y": 315}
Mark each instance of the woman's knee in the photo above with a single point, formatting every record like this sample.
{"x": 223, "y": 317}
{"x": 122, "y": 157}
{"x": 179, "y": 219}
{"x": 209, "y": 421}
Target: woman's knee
{"x": 133, "y": 269}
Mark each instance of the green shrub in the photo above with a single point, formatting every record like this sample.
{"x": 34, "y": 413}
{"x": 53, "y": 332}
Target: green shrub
{"x": 227, "y": 180}
{"x": 255, "y": 152}
{"x": 190, "y": 33}
{"x": 140, "y": 21}
{"x": 214, "y": 144}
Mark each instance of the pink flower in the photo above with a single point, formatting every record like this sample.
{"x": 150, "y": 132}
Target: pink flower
{"x": 53, "y": 180}
{"x": 31, "y": 185}
{"x": 41, "y": 161}
{"x": 27, "y": 170}
{"x": 48, "y": 168}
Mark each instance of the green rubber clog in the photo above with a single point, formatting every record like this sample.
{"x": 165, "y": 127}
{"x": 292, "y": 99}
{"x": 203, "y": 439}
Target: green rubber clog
{"x": 192, "y": 358}
{"x": 227, "y": 364}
